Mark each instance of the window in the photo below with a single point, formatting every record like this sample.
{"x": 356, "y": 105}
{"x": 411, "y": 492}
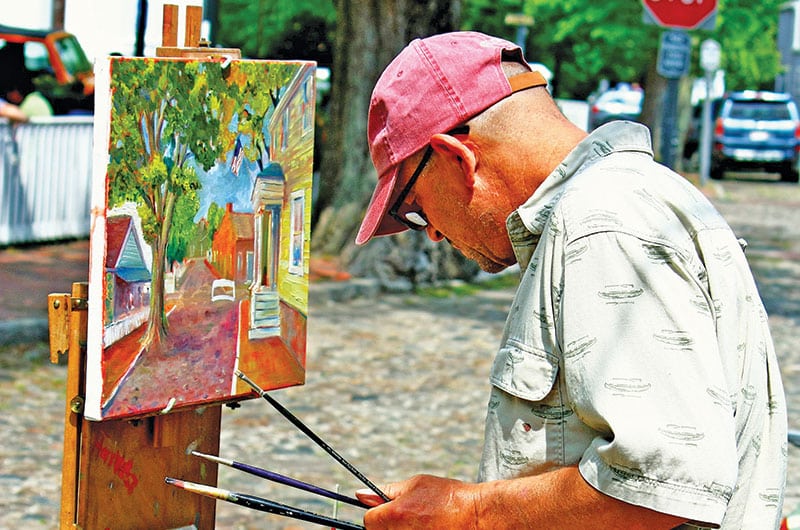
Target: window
{"x": 308, "y": 104}
{"x": 760, "y": 110}
{"x": 297, "y": 236}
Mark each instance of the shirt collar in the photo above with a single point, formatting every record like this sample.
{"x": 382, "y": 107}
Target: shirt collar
{"x": 525, "y": 225}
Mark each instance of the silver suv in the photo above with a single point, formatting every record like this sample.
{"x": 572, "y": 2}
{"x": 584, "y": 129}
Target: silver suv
{"x": 757, "y": 130}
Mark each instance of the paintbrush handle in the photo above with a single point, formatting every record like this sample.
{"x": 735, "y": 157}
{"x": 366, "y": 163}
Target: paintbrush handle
{"x": 265, "y": 505}
{"x": 311, "y": 434}
{"x": 281, "y": 479}
{"x": 294, "y": 483}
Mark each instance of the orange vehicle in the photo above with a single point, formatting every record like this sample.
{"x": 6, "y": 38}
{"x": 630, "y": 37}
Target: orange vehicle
{"x": 50, "y": 62}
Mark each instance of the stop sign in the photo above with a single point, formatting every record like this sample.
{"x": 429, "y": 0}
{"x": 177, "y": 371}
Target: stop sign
{"x": 683, "y": 14}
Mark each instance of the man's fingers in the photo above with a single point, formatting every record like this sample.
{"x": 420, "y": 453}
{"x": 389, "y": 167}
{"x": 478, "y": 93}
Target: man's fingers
{"x": 369, "y": 497}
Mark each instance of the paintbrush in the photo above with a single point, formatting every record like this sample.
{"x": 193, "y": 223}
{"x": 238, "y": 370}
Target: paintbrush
{"x": 308, "y": 432}
{"x": 263, "y": 505}
{"x": 282, "y": 479}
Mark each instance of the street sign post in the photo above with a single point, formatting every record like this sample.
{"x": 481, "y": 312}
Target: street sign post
{"x": 522, "y": 22}
{"x": 673, "y": 63}
{"x": 681, "y": 14}
{"x": 674, "y": 54}
{"x": 710, "y": 54}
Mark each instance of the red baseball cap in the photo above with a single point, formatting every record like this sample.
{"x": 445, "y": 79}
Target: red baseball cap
{"x": 432, "y": 86}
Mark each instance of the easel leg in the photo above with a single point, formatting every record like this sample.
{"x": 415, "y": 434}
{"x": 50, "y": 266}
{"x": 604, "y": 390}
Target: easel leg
{"x": 74, "y": 334}
{"x": 113, "y": 471}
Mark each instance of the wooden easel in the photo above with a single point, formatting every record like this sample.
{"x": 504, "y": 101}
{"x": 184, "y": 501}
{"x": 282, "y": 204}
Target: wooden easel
{"x": 113, "y": 471}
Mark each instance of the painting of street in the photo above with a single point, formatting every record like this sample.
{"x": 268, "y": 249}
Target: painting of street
{"x": 200, "y": 232}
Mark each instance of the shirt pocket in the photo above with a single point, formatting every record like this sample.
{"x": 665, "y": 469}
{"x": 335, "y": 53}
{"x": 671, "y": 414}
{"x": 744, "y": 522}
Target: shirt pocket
{"x": 524, "y": 371}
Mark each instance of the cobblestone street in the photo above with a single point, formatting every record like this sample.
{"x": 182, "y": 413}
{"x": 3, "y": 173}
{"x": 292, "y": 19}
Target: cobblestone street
{"x": 397, "y": 384}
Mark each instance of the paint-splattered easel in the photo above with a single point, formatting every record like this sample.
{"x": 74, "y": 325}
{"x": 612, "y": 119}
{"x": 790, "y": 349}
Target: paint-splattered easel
{"x": 113, "y": 471}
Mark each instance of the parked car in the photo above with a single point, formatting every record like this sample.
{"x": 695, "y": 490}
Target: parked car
{"x": 52, "y": 63}
{"x": 616, "y": 104}
{"x": 757, "y": 130}
{"x": 691, "y": 145}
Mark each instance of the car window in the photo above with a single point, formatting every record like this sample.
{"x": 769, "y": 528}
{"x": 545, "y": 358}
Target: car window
{"x": 760, "y": 110}
{"x": 631, "y": 97}
{"x": 72, "y": 55}
{"x": 36, "y": 57}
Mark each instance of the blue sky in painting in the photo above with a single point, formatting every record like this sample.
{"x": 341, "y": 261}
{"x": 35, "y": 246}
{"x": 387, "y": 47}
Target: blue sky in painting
{"x": 221, "y": 186}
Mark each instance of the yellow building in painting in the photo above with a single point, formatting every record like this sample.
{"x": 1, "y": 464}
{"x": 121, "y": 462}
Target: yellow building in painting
{"x": 281, "y": 199}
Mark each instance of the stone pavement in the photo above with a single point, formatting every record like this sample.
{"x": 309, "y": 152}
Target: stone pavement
{"x": 27, "y": 275}
{"x": 396, "y": 383}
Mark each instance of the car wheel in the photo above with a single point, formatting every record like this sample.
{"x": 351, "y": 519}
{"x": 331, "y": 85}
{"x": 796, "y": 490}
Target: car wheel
{"x": 789, "y": 174}
{"x": 716, "y": 172}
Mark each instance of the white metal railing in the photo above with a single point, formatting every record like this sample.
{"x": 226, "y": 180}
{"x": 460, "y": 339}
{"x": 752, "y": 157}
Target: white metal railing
{"x": 45, "y": 179}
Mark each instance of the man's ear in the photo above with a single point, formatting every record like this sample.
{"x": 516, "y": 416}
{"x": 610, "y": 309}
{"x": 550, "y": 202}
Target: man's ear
{"x": 456, "y": 152}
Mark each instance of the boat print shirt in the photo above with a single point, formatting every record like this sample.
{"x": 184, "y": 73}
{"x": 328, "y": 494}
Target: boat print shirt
{"x": 637, "y": 346}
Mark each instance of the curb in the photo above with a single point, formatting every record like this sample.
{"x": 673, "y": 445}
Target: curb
{"x": 33, "y": 330}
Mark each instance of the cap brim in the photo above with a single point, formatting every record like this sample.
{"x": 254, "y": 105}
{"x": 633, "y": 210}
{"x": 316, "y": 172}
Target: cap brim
{"x": 376, "y": 222}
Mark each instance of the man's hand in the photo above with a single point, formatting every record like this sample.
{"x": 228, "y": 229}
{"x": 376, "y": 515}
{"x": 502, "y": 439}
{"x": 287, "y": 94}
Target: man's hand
{"x": 422, "y": 502}
{"x": 559, "y": 499}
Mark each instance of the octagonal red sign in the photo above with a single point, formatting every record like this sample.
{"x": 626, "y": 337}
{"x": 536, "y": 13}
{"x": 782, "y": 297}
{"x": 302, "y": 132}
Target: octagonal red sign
{"x": 683, "y": 14}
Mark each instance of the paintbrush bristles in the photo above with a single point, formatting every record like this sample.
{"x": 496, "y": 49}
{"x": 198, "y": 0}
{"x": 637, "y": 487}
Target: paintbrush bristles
{"x": 201, "y": 489}
{"x": 217, "y": 459}
{"x": 252, "y": 384}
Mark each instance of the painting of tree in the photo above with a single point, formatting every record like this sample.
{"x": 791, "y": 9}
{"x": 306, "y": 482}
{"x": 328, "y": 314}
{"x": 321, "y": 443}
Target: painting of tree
{"x": 201, "y": 230}
{"x": 169, "y": 113}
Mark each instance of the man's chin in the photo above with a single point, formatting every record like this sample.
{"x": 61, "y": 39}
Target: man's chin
{"x": 488, "y": 264}
{"x": 491, "y": 266}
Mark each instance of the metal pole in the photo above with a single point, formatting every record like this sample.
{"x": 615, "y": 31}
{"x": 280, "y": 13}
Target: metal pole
{"x": 669, "y": 139}
{"x": 522, "y": 35}
{"x": 710, "y": 53}
{"x": 705, "y": 132}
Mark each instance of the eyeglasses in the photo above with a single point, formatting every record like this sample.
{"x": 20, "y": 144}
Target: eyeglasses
{"x": 411, "y": 215}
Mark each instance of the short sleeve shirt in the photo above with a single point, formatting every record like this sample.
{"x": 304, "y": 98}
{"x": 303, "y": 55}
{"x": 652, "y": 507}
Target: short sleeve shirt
{"x": 637, "y": 346}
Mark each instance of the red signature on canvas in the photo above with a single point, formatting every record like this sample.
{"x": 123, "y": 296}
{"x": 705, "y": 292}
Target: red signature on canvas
{"x": 123, "y": 468}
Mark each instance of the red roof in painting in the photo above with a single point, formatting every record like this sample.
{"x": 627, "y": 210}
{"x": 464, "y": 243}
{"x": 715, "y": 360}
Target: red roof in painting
{"x": 242, "y": 225}
{"x": 117, "y": 229}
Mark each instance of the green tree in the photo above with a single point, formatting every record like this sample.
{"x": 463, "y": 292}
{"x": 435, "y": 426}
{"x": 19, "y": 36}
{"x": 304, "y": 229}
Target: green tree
{"x": 747, "y": 32}
{"x": 583, "y": 41}
{"x": 362, "y": 50}
{"x": 259, "y": 27}
{"x": 169, "y": 118}
{"x": 214, "y": 216}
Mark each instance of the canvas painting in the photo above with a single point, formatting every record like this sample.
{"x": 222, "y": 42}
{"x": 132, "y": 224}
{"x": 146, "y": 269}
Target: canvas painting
{"x": 200, "y": 231}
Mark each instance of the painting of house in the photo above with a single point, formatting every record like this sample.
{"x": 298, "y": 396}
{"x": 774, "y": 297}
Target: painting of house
{"x": 232, "y": 246}
{"x": 213, "y": 161}
{"x": 127, "y": 278}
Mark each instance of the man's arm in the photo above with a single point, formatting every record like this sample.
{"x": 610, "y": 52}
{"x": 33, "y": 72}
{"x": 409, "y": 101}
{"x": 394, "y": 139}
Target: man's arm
{"x": 12, "y": 112}
{"x": 558, "y": 499}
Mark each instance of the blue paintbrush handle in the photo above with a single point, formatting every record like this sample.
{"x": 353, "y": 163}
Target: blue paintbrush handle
{"x": 299, "y": 484}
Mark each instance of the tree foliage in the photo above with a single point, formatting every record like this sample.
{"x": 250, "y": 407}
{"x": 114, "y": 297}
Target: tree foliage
{"x": 583, "y": 41}
{"x": 260, "y": 28}
{"x": 747, "y": 33}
